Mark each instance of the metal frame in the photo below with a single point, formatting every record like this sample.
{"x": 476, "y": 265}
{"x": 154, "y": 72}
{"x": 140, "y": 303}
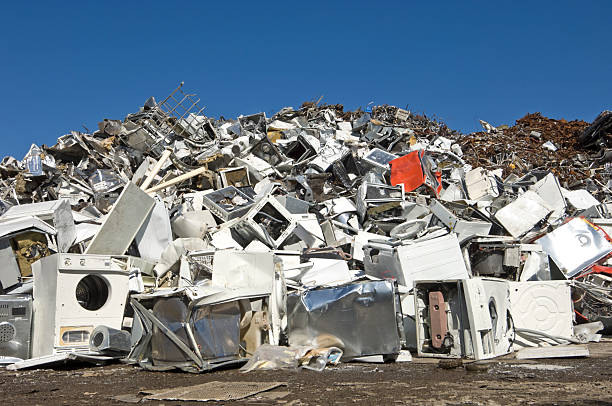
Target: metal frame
{"x": 178, "y": 107}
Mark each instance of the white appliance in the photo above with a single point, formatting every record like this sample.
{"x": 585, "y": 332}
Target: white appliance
{"x": 543, "y": 306}
{"x": 72, "y": 295}
{"x": 15, "y": 326}
{"x": 488, "y": 304}
{"x": 434, "y": 259}
{"x": 466, "y": 318}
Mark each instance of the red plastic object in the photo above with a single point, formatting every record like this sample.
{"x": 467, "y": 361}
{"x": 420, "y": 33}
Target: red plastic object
{"x": 596, "y": 269}
{"x": 407, "y": 170}
{"x": 413, "y": 171}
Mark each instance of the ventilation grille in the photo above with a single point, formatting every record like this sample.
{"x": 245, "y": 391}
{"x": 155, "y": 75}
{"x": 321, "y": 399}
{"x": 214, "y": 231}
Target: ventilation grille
{"x": 7, "y": 332}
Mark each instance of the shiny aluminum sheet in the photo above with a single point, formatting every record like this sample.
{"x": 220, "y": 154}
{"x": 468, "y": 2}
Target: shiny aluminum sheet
{"x": 359, "y": 318}
{"x": 173, "y": 313}
{"x": 216, "y": 330}
{"x": 575, "y": 245}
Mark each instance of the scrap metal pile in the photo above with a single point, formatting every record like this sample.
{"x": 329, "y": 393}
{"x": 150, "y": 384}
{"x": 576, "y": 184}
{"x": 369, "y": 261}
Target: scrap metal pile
{"x": 174, "y": 240}
{"x": 543, "y": 143}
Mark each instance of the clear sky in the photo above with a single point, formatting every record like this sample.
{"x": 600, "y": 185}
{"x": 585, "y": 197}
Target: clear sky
{"x": 67, "y": 64}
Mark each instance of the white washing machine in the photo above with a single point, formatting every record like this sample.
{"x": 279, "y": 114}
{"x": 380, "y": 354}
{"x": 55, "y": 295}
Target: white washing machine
{"x": 72, "y": 295}
{"x": 466, "y": 318}
{"x": 488, "y": 304}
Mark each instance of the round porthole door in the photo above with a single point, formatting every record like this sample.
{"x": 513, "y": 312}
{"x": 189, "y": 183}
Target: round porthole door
{"x": 92, "y": 292}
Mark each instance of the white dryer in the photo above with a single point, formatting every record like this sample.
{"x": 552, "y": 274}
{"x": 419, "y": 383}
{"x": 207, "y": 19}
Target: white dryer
{"x": 72, "y": 295}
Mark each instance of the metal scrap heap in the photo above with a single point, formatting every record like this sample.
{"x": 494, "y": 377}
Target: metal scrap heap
{"x": 316, "y": 236}
{"x": 537, "y": 142}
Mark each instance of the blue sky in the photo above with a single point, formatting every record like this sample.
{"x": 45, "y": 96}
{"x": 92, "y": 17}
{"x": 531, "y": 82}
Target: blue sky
{"x": 68, "y": 64}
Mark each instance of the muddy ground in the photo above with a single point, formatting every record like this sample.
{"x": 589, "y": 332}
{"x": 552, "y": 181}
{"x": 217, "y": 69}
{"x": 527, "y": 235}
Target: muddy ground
{"x": 586, "y": 381}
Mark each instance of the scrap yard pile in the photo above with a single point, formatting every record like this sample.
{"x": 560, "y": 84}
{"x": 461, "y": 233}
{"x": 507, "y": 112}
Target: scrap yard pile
{"x": 172, "y": 240}
{"x": 539, "y": 142}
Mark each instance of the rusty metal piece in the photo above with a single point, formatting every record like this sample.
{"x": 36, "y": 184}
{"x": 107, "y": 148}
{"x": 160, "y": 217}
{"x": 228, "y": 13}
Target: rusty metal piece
{"x": 437, "y": 316}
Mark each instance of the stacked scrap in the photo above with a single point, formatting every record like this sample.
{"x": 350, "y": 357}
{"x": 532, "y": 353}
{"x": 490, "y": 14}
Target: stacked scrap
{"x": 534, "y": 142}
{"x": 175, "y": 240}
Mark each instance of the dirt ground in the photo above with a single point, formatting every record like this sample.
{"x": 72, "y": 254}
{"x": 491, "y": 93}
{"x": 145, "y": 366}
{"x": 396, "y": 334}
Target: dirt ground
{"x": 585, "y": 381}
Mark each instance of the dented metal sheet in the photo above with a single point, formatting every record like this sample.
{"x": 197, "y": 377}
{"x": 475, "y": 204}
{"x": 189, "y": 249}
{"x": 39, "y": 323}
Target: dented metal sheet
{"x": 549, "y": 190}
{"x": 213, "y": 329}
{"x": 331, "y": 316}
{"x": 155, "y": 234}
